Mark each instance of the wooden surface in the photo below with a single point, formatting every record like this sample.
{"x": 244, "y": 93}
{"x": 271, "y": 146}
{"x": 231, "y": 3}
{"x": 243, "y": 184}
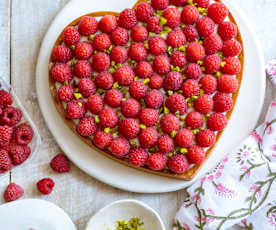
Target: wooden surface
{"x": 23, "y": 24}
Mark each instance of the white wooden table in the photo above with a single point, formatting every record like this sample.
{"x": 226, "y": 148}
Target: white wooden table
{"x": 23, "y": 24}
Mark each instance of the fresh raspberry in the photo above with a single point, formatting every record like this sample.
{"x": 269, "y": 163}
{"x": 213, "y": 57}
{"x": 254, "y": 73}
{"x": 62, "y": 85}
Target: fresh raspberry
{"x": 176, "y": 102}
{"x": 127, "y": 19}
{"x": 62, "y": 72}
{"x": 19, "y": 153}
{"x": 202, "y": 3}
{"x": 212, "y": 44}
{"x": 86, "y": 87}
{"x": 222, "y": 102}
{"x": 104, "y": 80}
{"x": 148, "y": 117}
{"x": 119, "y": 147}
{"x": 189, "y": 14}
{"x": 208, "y": 84}
{"x": 66, "y": 93}
{"x": 100, "y": 62}
{"x": 13, "y": 192}
{"x": 156, "y": 82}
{"x": 75, "y": 109}
{"x": 232, "y": 66}
{"x": 206, "y": 138}
{"x": 178, "y": 59}
{"x": 45, "y": 186}
{"x": 190, "y": 88}
{"x": 5, "y": 99}
{"x": 211, "y": 64}
{"x": 101, "y": 42}
{"x": 88, "y": 25}
{"x": 10, "y": 116}
{"x": 138, "y": 156}
{"x": 173, "y": 81}
{"x": 227, "y": 84}
{"x": 102, "y": 139}
{"x": 191, "y": 33}
{"x": 95, "y": 104}
{"x": 194, "y": 120}
{"x": 87, "y": 126}
{"x": 165, "y": 144}
{"x": 193, "y": 71}
{"x": 161, "y": 64}
{"x": 157, "y": 161}
{"x": 129, "y": 128}
{"x": 144, "y": 69}
{"x": 84, "y": 50}
{"x": 160, "y": 4}
{"x": 108, "y": 23}
{"x": 204, "y": 104}
{"x": 144, "y": 11}
{"x": 130, "y": 108}
{"x": 195, "y": 52}
{"x": 227, "y": 30}
{"x": 108, "y": 118}
{"x": 176, "y": 38}
{"x": 169, "y": 123}
{"x": 137, "y": 90}
{"x": 173, "y": 16}
{"x": 218, "y": 12}
{"x": 83, "y": 69}
{"x": 217, "y": 122}
{"x": 178, "y": 2}
{"x": 205, "y": 26}
{"x": 139, "y": 33}
{"x": 154, "y": 99}
{"x": 124, "y": 75}
{"x": 137, "y": 52}
{"x": 120, "y": 36}
{"x": 178, "y": 164}
{"x": 157, "y": 45}
{"x": 62, "y": 54}
{"x": 184, "y": 138}
{"x": 60, "y": 163}
{"x": 148, "y": 137}
{"x": 196, "y": 154}
{"x": 5, "y": 135}
{"x": 119, "y": 54}
{"x": 5, "y": 161}
{"x": 71, "y": 36}
{"x": 231, "y": 48}
{"x": 153, "y": 25}
{"x": 113, "y": 97}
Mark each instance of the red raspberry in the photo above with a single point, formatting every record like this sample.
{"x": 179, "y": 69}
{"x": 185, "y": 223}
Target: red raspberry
{"x": 144, "y": 69}
{"x": 101, "y": 42}
{"x": 178, "y": 59}
{"x": 139, "y": 33}
{"x": 206, "y": 138}
{"x": 204, "y": 104}
{"x": 120, "y": 36}
{"x": 13, "y": 192}
{"x": 222, "y": 102}
{"x": 138, "y": 156}
{"x": 227, "y": 30}
{"x": 102, "y": 139}
{"x": 194, "y": 120}
{"x": 62, "y": 72}
{"x": 144, "y": 11}
{"x": 83, "y": 69}
{"x": 189, "y": 14}
{"x": 104, "y": 80}
{"x": 154, "y": 99}
{"x": 160, "y": 4}
{"x": 75, "y": 109}
{"x": 60, "y": 163}
{"x": 137, "y": 52}
{"x": 129, "y": 128}
{"x": 149, "y": 117}
{"x": 212, "y": 64}
{"x": 178, "y": 164}
{"x": 108, "y": 118}
{"x": 10, "y": 116}
{"x": 232, "y": 66}
{"x": 119, "y": 54}
{"x": 208, "y": 84}
{"x": 66, "y": 93}
{"x": 157, "y": 161}
{"x": 196, "y": 154}
{"x": 218, "y": 12}
{"x": 119, "y": 147}
{"x": 165, "y": 144}
{"x": 217, "y": 122}
{"x": 205, "y": 26}
{"x": 101, "y": 62}
{"x": 5, "y": 161}
{"x": 178, "y": 2}
{"x": 148, "y": 137}
{"x": 195, "y": 52}
{"x": 84, "y": 50}
{"x": 86, "y": 87}
{"x": 137, "y": 90}
{"x": 127, "y": 19}
{"x": 184, "y": 138}
{"x": 154, "y": 26}
{"x": 169, "y": 123}
{"x": 176, "y": 38}
{"x": 156, "y": 82}
{"x": 191, "y": 33}
{"x": 5, "y": 99}
{"x": 202, "y": 3}
{"x": 130, "y": 108}
{"x": 88, "y": 25}
{"x": 161, "y": 64}
{"x": 176, "y": 102}
{"x": 5, "y": 135}
{"x": 45, "y": 186}
{"x": 124, "y": 75}
{"x": 157, "y": 45}
{"x": 71, "y": 36}
{"x": 173, "y": 16}
{"x": 87, "y": 126}
{"x": 212, "y": 44}
{"x": 113, "y": 98}
{"x": 108, "y": 23}
{"x": 231, "y": 48}
{"x": 193, "y": 71}
{"x": 95, "y": 104}
{"x": 62, "y": 54}
{"x": 173, "y": 81}
{"x": 19, "y": 153}
{"x": 190, "y": 88}
{"x": 227, "y": 84}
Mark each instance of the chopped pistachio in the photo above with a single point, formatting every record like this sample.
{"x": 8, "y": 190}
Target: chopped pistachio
{"x": 201, "y": 91}
{"x": 91, "y": 37}
{"x": 142, "y": 126}
{"x": 123, "y": 99}
{"x": 170, "y": 92}
{"x": 195, "y": 131}
{"x": 201, "y": 128}
{"x": 133, "y": 143}
{"x": 72, "y": 47}
{"x": 190, "y": 104}
{"x": 113, "y": 63}
{"x": 188, "y": 99}
{"x": 222, "y": 64}
{"x": 218, "y": 74}
{"x": 180, "y": 91}
{"x": 190, "y": 2}
{"x": 146, "y": 45}
{"x": 97, "y": 119}
{"x": 177, "y": 113}
{"x": 220, "y": 54}
{"x": 182, "y": 118}
{"x": 203, "y": 68}
{"x": 95, "y": 51}
{"x": 106, "y": 130}
{"x": 136, "y": 78}
{"x": 200, "y": 62}
{"x": 200, "y": 42}
{"x": 170, "y": 154}
{"x": 119, "y": 65}
{"x": 111, "y": 70}
{"x": 207, "y": 115}
{"x": 78, "y": 95}
{"x": 73, "y": 61}
{"x": 183, "y": 150}
{"x": 163, "y": 21}
{"x": 146, "y": 81}
{"x": 172, "y": 67}
{"x": 167, "y": 29}
{"x": 184, "y": 77}
{"x": 177, "y": 69}
{"x": 194, "y": 98}
{"x": 182, "y": 26}
{"x": 115, "y": 85}
{"x": 100, "y": 91}
{"x": 151, "y": 34}
{"x": 182, "y": 48}
{"x": 80, "y": 104}
{"x": 173, "y": 134}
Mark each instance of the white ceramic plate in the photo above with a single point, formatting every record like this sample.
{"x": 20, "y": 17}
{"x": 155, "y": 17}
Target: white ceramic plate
{"x": 243, "y": 119}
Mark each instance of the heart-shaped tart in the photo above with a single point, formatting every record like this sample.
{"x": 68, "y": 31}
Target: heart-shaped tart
{"x": 151, "y": 87}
